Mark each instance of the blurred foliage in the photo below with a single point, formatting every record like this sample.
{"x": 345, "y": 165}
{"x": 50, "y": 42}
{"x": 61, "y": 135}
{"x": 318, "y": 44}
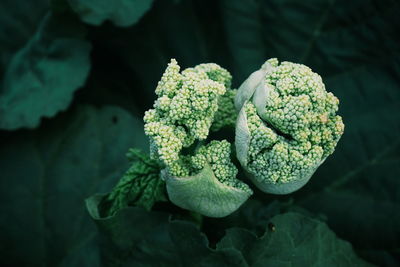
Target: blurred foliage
{"x": 76, "y": 77}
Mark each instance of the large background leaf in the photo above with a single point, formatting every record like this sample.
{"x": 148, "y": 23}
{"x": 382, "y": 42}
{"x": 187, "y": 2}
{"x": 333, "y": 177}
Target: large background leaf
{"x": 47, "y": 174}
{"x": 134, "y": 237}
{"x": 120, "y": 12}
{"x": 290, "y": 239}
{"x": 13, "y": 35}
{"x": 42, "y": 76}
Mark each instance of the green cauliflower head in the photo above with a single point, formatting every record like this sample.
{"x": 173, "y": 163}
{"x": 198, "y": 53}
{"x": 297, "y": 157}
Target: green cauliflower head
{"x": 287, "y": 125}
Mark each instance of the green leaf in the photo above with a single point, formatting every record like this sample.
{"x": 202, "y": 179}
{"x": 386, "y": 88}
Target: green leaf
{"x": 13, "y": 35}
{"x": 135, "y": 237}
{"x": 43, "y": 75}
{"x": 292, "y": 239}
{"x": 120, "y": 12}
{"x": 45, "y": 176}
{"x": 204, "y": 193}
{"x": 140, "y": 186}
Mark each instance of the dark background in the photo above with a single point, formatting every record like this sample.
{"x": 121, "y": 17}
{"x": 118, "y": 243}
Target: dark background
{"x": 76, "y": 81}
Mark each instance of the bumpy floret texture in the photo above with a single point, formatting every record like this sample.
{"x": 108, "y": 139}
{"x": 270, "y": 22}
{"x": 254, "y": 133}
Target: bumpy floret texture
{"x": 217, "y": 155}
{"x": 297, "y": 129}
{"x": 184, "y": 110}
{"x": 226, "y": 114}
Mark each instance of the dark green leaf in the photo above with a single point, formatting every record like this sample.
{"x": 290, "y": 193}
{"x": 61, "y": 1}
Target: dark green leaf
{"x": 18, "y": 23}
{"x": 45, "y": 177}
{"x": 135, "y": 237}
{"x": 120, "y": 12}
{"x": 292, "y": 239}
{"x": 140, "y": 186}
{"x": 42, "y": 76}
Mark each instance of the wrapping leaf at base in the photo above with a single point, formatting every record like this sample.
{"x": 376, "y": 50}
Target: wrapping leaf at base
{"x": 287, "y": 126}
{"x": 199, "y": 177}
{"x": 211, "y": 189}
{"x": 205, "y": 194}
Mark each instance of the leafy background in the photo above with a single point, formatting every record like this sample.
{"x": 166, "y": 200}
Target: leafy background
{"x": 76, "y": 77}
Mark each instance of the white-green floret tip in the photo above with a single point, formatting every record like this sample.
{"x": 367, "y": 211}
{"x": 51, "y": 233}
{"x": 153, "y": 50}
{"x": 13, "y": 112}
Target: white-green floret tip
{"x": 287, "y": 126}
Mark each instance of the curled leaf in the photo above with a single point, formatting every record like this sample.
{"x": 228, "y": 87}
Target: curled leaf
{"x": 249, "y": 86}
{"x": 204, "y": 193}
{"x": 284, "y": 188}
{"x": 242, "y": 138}
{"x": 287, "y": 126}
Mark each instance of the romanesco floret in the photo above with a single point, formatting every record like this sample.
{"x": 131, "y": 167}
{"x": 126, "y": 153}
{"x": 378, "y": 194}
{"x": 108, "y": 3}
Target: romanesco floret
{"x": 184, "y": 110}
{"x": 294, "y": 127}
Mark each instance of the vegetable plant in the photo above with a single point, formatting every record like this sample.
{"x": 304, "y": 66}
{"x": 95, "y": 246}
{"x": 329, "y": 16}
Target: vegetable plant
{"x": 199, "y": 133}
{"x": 285, "y": 127}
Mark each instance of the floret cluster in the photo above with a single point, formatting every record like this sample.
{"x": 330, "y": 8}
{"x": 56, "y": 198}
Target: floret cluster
{"x": 286, "y": 127}
{"x": 225, "y": 115}
{"x": 184, "y": 111}
{"x": 298, "y": 127}
{"x": 217, "y": 155}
